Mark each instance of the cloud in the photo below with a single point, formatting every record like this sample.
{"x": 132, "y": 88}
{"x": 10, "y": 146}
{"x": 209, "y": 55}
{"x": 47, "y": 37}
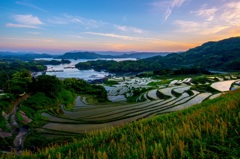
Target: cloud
{"x": 69, "y": 19}
{"x": 21, "y": 26}
{"x": 177, "y": 3}
{"x": 28, "y": 19}
{"x": 128, "y": 29}
{"x": 167, "y": 13}
{"x": 230, "y": 13}
{"x": 31, "y": 6}
{"x": 173, "y": 4}
{"x": 187, "y": 26}
{"x": 168, "y": 6}
{"x": 31, "y": 39}
{"x": 204, "y": 28}
{"x": 209, "y": 14}
{"x": 214, "y": 20}
{"x": 25, "y": 21}
{"x": 114, "y": 36}
{"x": 133, "y": 38}
{"x": 75, "y": 36}
{"x": 34, "y": 33}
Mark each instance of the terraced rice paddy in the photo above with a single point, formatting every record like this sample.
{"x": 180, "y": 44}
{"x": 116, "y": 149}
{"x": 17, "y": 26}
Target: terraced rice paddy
{"x": 223, "y": 85}
{"x": 85, "y": 117}
{"x": 153, "y": 94}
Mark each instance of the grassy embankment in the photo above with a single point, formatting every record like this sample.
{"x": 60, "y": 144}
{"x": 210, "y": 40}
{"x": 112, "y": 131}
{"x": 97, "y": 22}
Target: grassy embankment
{"x": 33, "y": 107}
{"x": 207, "y": 130}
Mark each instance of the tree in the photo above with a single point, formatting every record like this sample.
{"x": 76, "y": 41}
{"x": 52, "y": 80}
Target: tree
{"x": 19, "y": 83}
{"x": 50, "y": 85}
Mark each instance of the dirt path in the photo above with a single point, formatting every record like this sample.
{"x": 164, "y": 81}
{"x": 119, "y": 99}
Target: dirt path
{"x": 18, "y": 141}
{"x": 12, "y": 114}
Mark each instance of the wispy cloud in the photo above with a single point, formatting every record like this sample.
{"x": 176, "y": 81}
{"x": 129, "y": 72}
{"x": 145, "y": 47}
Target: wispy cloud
{"x": 31, "y": 39}
{"x": 173, "y": 4}
{"x": 128, "y": 29}
{"x": 75, "y": 36}
{"x": 31, "y": 6}
{"x": 168, "y": 6}
{"x": 69, "y": 19}
{"x": 114, "y": 36}
{"x": 28, "y": 19}
{"x": 34, "y": 33}
{"x": 214, "y": 20}
{"x": 20, "y": 26}
{"x": 132, "y": 38}
{"x": 204, "y": 28}
{"x": 230, "y": 12}
{"x": 25, "y": 21}
{"x": 208, "y": 13}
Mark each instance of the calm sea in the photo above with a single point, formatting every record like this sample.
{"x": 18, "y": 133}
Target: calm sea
{"x": 68, "y": 70}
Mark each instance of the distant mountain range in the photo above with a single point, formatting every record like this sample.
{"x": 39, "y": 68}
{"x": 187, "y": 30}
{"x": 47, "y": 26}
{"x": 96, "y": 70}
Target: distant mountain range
{"x": 81, "y": 55}
{"x": 93, "y": 55}
{"x": 23, "y": 55}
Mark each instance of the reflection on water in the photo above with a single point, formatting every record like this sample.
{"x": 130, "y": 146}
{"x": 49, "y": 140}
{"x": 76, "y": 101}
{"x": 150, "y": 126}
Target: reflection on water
{"x": 68, "y": 70}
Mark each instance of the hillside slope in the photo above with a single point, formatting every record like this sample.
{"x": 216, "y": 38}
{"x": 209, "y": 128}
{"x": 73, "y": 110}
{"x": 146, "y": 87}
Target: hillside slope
{"x": 224, "y": 54}
{"x": 221, "y": 55}
{"x": 208, "y": 130}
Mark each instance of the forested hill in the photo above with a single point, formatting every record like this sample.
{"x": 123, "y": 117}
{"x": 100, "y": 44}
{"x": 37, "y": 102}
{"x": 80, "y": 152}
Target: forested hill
{"x": 221, "y": 55}
{"x": 224, "y": 55}
{"x": 23, "y": 55}
{"x": 83, "y": 55}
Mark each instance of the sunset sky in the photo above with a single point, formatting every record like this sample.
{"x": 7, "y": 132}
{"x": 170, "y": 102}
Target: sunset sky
{"x": 57, "y": 26}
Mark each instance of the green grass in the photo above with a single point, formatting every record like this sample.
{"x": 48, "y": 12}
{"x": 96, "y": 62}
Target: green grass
{"x": 162, "y": 95}
{"x": 162, "y": 82}
{"x": 67, "y": 98}
{"x": 175, "y": 77}
{"x": 3, "y": 124}
{"x": 200, "y": 79}
{"x": 137, "y": 92}
{"x": 6, "y": 103}
{"x": 110, "y": 83}
{"x": 205, "y": 88}
{"x": 207, "y": 130}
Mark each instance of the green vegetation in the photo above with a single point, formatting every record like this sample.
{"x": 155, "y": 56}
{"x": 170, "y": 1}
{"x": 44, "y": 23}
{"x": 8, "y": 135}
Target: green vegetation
{"x": 204, "y": 88}
{"x": 64, "y": 130}
{"x": 162, "y": 82}
{"x": 11, "y": 66}
{"x": 221, "y": 55}
{"x": 6, "y": 102}
{"x": 137, "y": 92}
{"x": 35, "y": 95}
{"x": 207, "y": 130}
{"x": 162, "y": 96}
{"x": 200, "y": 80}
{"x": 52, "y": 62}
{"x": 82, "y": 87}
{"x": 110, "y": 83}
{"x": 83, "y": 55}
{"x": 3, "y": 124}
